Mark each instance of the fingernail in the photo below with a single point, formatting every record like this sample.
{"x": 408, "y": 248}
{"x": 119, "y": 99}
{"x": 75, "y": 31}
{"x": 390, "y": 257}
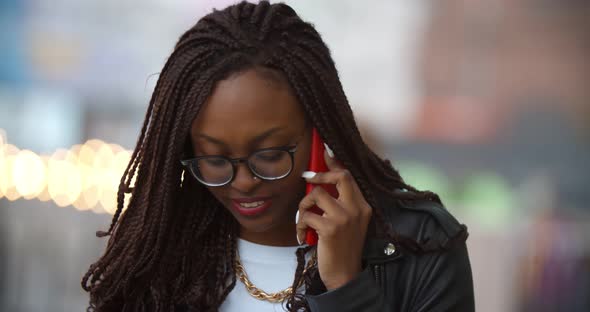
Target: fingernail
{"x": 297, "y": 221}
{"x": 329, "y": 150}
{"x": 308, "y": 174}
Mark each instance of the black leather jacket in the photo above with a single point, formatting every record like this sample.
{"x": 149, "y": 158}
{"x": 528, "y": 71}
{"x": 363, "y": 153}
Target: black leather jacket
{"x": 406, "y": 281}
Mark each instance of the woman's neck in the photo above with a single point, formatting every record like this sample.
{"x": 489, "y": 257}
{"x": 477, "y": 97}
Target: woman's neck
{"x": 285, "y": 235}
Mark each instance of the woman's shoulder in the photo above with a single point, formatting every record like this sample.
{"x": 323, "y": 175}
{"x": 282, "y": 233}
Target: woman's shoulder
{"x": 427, "y": 222}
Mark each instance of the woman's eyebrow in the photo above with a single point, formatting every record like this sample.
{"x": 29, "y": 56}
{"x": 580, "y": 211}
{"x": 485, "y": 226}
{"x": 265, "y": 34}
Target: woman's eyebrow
{"x": 261, "y": 137}
{"x": 257, "y": 139}
{"x": 211, "y": 139}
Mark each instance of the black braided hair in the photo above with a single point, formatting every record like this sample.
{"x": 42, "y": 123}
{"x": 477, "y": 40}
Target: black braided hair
{"x": 174, "y": 246}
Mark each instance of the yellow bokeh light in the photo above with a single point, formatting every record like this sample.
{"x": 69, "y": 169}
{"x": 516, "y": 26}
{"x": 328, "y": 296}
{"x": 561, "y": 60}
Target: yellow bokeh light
{"x": 8, "y": 187}
{"x": 107, "y": 179}
{"x": 121, "y": 161}
{"x": 3, "y": 169}
{"x": 78, "y": 156}
{"x": 104, "y": 157}
{"x": 91, "y": 188}
{"x": 75, "y": 149}
{"x": 12, "y": 194}
{"x": 63, "y": 178}
{"x": 126, "y": 201}
{"x": 44, "y": 194}
{"x": 110, "y": 186}
{"x": 116, "y": 148}
{"x": 86, "y": 155}
{"x": 95, "y": 144}
{"x": 7, "y": 156}
{"x": 28, "y": 174}
{"x": 81, "y": 204}
{"x": 75, "y": 177}
{"x": 90, "y": 179}
{"x": 87, "y": 176}
{"x": 109, "y": 200}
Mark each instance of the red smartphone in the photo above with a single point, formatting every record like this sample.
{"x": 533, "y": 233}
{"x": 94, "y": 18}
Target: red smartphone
{"x": 317, "y": 164}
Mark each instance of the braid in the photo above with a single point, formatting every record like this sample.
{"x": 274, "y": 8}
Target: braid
{"x": 297, "y": 301}
{"x": 175, "y": 244}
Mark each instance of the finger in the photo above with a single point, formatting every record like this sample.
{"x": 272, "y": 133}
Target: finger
{"x": 342, "y": 179}
{"x": 319, "y": 197}
{"x": 300, "y": 227}
{"x": 310, "y": 220}
{"x": 331, "y": 162}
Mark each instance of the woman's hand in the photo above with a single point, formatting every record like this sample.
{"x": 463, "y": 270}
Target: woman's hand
{"x": 342, "y": 227}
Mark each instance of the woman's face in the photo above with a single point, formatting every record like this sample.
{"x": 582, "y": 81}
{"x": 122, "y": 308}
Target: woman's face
{"x": 246, "y": 112}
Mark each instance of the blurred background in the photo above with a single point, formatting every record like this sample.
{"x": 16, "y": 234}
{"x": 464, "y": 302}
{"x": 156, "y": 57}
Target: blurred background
{"x": 485, "y": 102}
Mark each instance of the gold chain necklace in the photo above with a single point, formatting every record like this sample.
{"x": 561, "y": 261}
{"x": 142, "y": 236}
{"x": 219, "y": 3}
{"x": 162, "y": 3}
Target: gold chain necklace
{"x": 261, "y": 294}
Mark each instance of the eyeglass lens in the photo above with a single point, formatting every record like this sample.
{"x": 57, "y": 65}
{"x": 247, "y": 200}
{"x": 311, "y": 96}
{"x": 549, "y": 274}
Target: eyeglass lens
{"x": 267, "y": 164}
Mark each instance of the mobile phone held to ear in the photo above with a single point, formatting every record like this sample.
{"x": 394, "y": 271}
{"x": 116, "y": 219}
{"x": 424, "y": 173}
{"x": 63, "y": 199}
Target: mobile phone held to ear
{"x": 317, "y": 164}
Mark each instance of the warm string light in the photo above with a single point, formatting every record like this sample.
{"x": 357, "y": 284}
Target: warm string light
{"x": 86, "y": 176}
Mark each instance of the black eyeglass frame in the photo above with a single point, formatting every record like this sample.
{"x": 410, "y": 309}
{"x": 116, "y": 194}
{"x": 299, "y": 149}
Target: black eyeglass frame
{"x": 192, "y": 163}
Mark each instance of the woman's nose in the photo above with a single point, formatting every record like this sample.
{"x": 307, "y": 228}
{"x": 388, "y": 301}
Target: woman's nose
{"x": 244, "y": 180}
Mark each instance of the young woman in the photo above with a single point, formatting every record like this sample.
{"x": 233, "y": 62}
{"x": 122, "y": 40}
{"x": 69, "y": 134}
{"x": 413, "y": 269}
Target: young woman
{"x": 218, "y": 206}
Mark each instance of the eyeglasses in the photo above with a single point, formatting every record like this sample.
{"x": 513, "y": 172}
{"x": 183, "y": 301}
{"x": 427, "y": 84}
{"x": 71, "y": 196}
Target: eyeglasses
{"x": 269, "y": 164}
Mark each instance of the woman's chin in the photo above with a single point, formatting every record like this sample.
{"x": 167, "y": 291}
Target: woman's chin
{"x": 261, "y": 224}
{"x": 258, "y": 225}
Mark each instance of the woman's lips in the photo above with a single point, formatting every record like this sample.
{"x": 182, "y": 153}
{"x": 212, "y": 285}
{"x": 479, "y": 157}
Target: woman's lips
{"x": 251, "y": 206}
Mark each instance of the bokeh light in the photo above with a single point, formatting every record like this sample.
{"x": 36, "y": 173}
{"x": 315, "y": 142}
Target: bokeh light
{"x": 7, "y": 187}
{"x": 29, "y": 174}
{"x": 64, "y": 178}
{"x": 85, "y": 176}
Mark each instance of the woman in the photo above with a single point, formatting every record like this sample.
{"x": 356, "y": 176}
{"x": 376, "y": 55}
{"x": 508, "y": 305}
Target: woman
{"x": 220, "y": 175}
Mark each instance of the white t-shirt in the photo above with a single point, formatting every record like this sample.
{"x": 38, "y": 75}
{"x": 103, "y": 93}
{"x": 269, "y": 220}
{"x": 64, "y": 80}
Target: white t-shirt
{"x": 270, "y": 269}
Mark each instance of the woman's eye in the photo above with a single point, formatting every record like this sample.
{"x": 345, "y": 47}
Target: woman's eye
{"x": 270, "y": 156}
{"x": 215, "y": 162}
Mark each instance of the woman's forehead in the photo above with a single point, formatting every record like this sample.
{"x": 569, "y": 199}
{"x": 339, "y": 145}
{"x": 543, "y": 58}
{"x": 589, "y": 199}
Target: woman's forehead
{"x": 249, "y": 101}
{"x": 248, "y": 96}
